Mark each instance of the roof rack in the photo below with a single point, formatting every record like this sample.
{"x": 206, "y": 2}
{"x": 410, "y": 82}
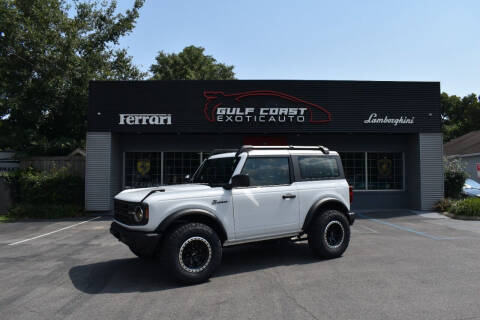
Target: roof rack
{"x": 218, "y": 151}
{"x": 247, "y": 148}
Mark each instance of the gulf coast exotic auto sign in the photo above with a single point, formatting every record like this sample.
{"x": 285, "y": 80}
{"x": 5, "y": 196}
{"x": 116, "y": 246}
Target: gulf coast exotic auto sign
{"x": 261, "y": 106}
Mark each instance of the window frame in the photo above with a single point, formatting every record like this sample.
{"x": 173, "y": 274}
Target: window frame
{"x": 290, "y": 169}
{"x": 237, "y": 159}
{"x": 124, "y": 167}
{"x": 162, "y": 163}
{"x": 365, "y": 157}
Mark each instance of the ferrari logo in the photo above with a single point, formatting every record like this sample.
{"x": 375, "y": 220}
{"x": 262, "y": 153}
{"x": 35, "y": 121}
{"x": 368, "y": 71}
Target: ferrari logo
{"x": 384, "y": 167}
{"x": 143, "y": 166}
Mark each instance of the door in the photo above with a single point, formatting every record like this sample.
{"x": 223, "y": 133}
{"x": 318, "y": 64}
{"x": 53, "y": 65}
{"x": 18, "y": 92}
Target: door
{"x": 270, "y": 205}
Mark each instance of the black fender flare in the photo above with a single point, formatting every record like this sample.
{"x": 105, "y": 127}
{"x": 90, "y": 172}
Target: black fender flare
{"x": 327, "y": 203}
{"x": 196, "y": 214}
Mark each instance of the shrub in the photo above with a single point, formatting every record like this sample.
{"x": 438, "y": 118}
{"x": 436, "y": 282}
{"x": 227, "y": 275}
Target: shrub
{"x": 443, "y": 205}
{"x": 455, "y": 177}
{"x": 50, "y": 211}
{"x": 466, "y": 207}
{"x": 51, "y": 194}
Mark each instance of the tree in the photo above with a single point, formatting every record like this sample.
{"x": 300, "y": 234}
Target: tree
{"x": 459, "y": 115}
{"x": 190, "y": 64}
{"x": 47, "y": 59}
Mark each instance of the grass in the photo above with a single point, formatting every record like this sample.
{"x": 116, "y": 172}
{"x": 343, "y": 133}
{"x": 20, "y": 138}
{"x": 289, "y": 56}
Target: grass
{"x": 5, "y": 218}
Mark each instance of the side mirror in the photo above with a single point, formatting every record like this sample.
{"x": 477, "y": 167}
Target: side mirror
{"x": 240, "y": 180}
{"x": 187, "y": 178}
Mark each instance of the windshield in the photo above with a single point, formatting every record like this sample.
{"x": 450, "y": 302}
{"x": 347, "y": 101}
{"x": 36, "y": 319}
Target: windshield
{"x": 215, "y": 172}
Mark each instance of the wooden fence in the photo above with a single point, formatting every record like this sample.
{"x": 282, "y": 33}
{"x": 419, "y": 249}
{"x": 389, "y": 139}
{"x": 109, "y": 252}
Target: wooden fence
{"x": 75, "y": 164}
{"x": 5, "y": 198}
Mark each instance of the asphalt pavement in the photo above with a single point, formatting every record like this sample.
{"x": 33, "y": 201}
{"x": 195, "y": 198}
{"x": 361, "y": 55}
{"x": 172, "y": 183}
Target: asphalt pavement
{"x": 399, "y": 265}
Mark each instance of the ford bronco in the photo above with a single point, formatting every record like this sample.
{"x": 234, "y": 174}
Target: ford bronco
{"x": 255, "y": 193}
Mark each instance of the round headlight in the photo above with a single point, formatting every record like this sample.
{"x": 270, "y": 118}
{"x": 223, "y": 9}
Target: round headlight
{"x": 138, "y": 214}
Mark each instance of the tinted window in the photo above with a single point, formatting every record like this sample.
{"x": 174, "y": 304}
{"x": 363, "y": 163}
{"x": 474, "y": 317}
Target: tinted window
{"x": 267, "y": 171}
{"x": 215, "y": 171}
{"x": 315, "y": 168}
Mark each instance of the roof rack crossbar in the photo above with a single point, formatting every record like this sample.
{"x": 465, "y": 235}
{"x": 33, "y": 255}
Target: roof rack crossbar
{"x": 246, "y": 148}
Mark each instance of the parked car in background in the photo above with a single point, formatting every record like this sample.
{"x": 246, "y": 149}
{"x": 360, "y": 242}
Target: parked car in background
{"x": 471, "y": 188}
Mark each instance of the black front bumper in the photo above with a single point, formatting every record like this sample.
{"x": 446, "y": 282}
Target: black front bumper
{"x": 140, "y": 241}
{"x": 351, "y": 217}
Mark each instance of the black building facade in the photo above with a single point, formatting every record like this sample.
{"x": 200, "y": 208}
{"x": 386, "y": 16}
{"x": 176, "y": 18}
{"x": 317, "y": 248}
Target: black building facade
{"x": 144, "y": 133}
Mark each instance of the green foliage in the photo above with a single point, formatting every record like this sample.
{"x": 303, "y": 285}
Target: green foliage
{"x": 459, "y": 115}
{"x": 5, "y": 218}
{"x": 45, "y": 211}
{"x": 47, "y": 58}
{"x": 455, "y": 177}
{"x": 45, "y": 194}
{"x": 466, "y": 207}
{"x": 443, "y": 205}
{"x": 190, "y": 64}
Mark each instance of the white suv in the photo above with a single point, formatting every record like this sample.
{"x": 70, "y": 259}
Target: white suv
{"x": 255, "y": 193}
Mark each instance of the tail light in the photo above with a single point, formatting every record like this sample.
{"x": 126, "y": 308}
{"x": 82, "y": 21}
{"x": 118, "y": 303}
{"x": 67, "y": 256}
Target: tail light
{"x": 350, "y": 193}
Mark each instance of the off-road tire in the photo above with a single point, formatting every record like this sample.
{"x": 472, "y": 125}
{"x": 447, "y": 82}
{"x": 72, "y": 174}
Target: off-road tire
{"x": 324, "y": 234}
{"x": 190, "y": 244}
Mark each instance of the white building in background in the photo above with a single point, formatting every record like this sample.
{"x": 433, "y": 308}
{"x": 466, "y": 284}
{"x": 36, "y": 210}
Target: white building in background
{"x": 467, "y": 149}
{"x": 8, "y": 161}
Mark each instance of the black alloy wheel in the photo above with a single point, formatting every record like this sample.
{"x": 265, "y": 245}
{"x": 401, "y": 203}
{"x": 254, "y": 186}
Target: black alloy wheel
{"x": 195, "y": 254}
{"x": 334, "y": 234}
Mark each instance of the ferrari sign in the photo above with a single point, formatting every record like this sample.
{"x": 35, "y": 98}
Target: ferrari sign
{"x": 145, "y": 119}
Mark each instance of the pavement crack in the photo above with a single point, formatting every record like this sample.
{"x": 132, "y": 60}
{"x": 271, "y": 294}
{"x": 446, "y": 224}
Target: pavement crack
{"x": 280, "y": 284}
{"x": 302, "y": 307}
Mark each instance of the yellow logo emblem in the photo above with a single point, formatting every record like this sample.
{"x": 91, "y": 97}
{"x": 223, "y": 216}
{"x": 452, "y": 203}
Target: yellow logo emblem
{"x": 143, "y": 166}
{"x": 384, "y": 167}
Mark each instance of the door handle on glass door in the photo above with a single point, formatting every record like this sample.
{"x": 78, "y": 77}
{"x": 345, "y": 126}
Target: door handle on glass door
{"x": 289, "y": 196}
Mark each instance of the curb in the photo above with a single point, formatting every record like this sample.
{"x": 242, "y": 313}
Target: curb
{"x": 457, "y": 217}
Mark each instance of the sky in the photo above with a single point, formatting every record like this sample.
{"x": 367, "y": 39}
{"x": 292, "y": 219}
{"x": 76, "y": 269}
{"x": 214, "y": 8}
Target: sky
{"x": 415, "y": 40}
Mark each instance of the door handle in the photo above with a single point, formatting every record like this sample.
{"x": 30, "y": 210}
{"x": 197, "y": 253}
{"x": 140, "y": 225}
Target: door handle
{"x": 289, "y": 196}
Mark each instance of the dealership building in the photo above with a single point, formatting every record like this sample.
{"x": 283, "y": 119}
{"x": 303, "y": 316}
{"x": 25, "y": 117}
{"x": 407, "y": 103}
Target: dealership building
{"x": 148, "y": 133}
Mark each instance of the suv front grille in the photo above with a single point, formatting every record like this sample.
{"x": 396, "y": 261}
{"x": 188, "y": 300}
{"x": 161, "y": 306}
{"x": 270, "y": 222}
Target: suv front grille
{"x": 121, "y": 211}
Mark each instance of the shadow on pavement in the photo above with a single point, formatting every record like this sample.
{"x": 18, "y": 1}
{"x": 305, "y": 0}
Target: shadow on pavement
{"x": 137, "y": 275}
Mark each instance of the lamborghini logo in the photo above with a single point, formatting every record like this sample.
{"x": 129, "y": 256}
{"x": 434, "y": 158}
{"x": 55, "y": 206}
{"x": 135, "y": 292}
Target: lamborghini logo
{"x": 384, "y": 167}
{"x": 143, "y": 166}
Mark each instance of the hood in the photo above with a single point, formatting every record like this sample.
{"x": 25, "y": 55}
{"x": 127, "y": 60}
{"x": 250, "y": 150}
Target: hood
{"x": 137, "y": 195}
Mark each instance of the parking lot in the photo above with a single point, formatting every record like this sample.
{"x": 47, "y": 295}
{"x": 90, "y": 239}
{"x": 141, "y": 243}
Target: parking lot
{"x": 400, "y": 265}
